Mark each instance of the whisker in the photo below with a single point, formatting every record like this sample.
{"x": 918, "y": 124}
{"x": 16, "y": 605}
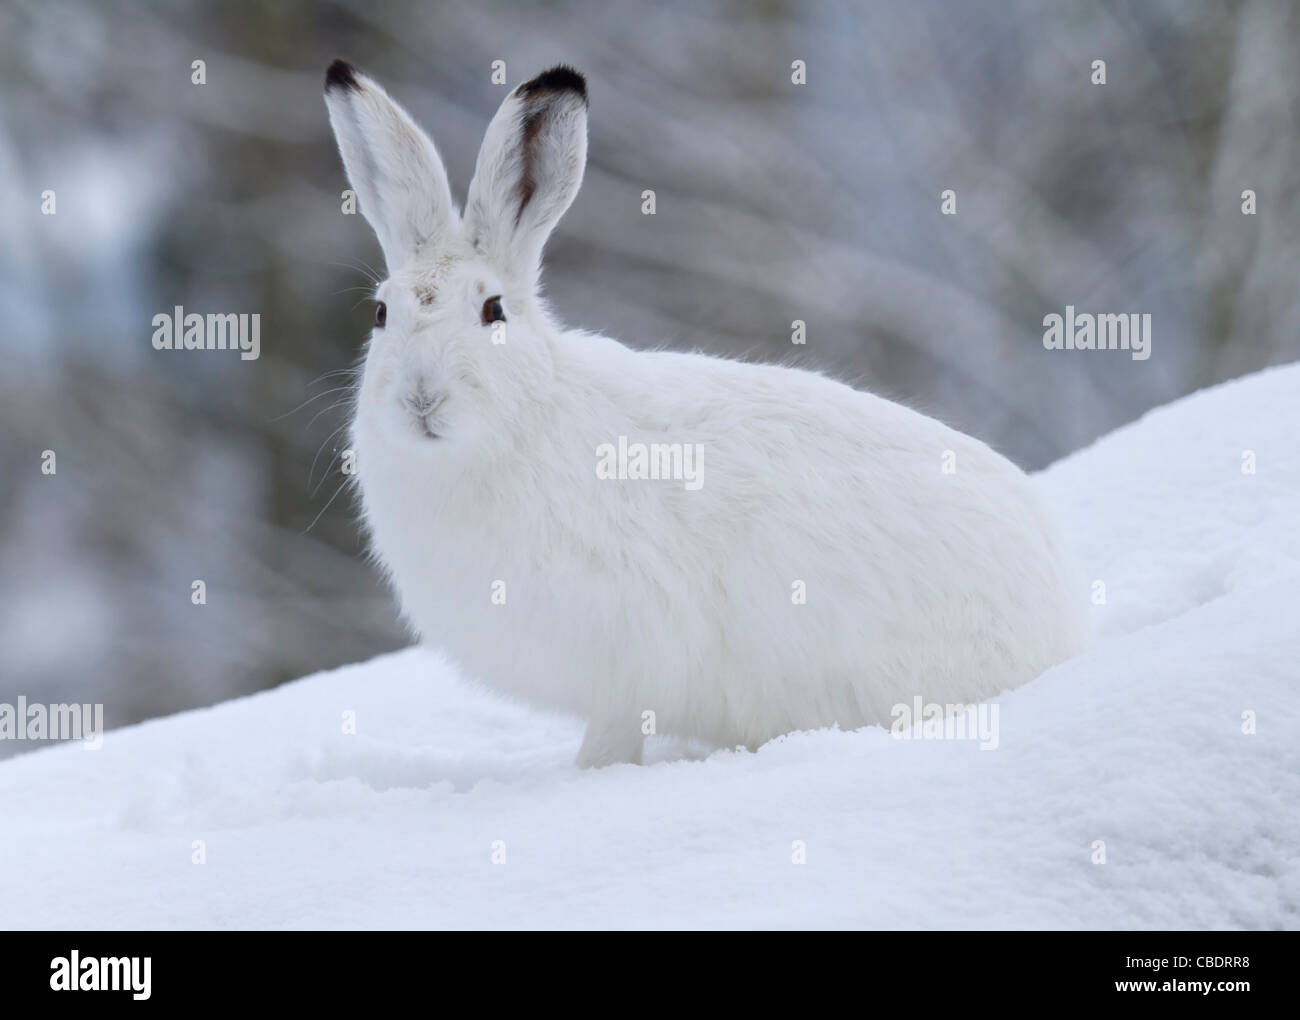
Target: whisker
{"x": 343, "y": 486}
{"x": 374, "y": 273}
{"x": 324, "y": 476}
{"x": 364, "y": 268}
{"x": 311, "y": 471}
{"x": 333, "y": 407}
{"x": 338, "y": 371}
{"x": 324, "y": 393}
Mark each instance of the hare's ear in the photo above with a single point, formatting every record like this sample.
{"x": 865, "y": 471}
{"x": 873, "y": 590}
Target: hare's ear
{"x": 392, "y": 165}
{"x": 529, "y": 169}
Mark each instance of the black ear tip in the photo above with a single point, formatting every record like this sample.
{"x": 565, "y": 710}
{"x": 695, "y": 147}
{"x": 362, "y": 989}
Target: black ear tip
{"x": 341, "y": 75}
{"x": 561, "y": 78}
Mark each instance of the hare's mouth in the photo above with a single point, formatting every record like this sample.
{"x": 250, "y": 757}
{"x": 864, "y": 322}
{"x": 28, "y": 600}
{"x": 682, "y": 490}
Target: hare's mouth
{"x": 423, "y": 411}
{"x": 426, "y": 426}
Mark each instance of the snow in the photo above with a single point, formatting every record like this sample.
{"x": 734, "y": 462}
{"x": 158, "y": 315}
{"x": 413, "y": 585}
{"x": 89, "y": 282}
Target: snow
{"x": 1138, "y": 744}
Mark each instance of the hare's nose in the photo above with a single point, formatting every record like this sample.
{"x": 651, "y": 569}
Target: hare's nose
{"x": 422, "y": 398}
{"x": 422, "y": 402}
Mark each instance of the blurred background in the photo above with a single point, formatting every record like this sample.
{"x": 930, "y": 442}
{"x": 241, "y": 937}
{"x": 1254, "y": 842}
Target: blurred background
{"x": 775, "y": 202}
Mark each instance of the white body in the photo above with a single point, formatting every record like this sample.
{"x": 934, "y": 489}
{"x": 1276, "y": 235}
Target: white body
{"x": 843, "y": 554}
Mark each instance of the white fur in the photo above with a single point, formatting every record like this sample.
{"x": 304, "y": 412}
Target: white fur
{"x": 623, "y": 597}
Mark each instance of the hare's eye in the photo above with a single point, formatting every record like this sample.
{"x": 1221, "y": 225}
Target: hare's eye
{"x": 381, "y": 314}
{"x": 492, "y": 311}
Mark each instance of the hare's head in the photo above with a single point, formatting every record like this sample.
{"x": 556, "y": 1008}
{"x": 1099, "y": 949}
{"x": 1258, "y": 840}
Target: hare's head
{"x": 460, "y": 336}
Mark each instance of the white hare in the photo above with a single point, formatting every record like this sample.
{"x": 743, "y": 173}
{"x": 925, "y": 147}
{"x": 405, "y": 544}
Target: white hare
{"x": 822, "y": 556}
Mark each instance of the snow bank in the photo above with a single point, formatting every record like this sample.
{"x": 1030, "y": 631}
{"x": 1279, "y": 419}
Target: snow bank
{"x": 1138, "y": 744}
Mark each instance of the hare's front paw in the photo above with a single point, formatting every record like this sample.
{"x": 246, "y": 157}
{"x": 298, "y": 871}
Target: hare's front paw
{"x": 612, "y": 740}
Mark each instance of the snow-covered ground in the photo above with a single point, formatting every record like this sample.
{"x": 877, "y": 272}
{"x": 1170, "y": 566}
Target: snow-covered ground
{"x": 1139, "y": 744}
